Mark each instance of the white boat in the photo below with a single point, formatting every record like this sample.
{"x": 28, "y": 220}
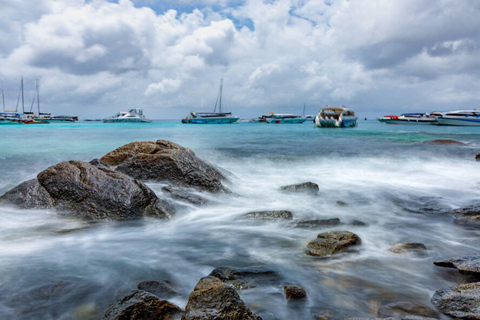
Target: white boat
{"x": 214, "y": 117}
{"x": 460, "y": 118}
{"x": 410, "y": 118}
{"x": 286, "y": 118}
{"x": 133, "y": 115}
{"x": 336, "y": 118}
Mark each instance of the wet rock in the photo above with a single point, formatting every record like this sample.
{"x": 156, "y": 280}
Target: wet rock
{"x": 409, "y": 247}
{"x": 341, "y": 203}
{"x": 444, "y": 142}
{"x": 309, "y": 224}
{"x": 466, "y": 264}
{"x": 324, "y": 315}
{"x": 247, "y": 277}
{"x": 97, "y": 162}
{"x": 165, "y": 161}
{"x": 294, "y": 292}
{"x": 462, "y": 301}
{"x": 403, "y": 309}
{"x": 90, "y": 192}
{"x": 469, "y": 216}
{"x": 143, "y": 305}
{"x": 269, "y": 215}
{"x": 358, "y": 223}
{"x": 163, "y": 289}
{"x": 307, "y": 187}
{"x": 213, "y": 299}
{"x": 329, "y": 243}
{"x": 181, "y": 195}
{"x": 477, "y": 157}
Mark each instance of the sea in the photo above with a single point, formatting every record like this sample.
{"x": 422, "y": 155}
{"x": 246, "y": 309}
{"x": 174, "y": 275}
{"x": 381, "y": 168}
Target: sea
{"x": 400, "y": 187}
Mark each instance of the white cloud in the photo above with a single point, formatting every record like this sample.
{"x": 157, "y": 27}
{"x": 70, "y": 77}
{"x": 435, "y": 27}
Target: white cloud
{"x": 165, "y": 86}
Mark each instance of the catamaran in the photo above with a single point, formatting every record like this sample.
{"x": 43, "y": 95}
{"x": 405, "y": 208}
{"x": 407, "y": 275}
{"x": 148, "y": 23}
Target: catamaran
{"x": 336, "y": 118}
{"x": 133, "y": 115}
{"x": 214, "y": 117}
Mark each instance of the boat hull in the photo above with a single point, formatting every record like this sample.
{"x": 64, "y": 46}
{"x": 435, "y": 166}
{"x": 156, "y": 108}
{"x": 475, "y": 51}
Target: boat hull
{"x": 408, "y": 121}
{"x": 287, "y": 120}
{"x": 459, "y": 122}
{"x": 212, "y": 120}
{"x": 126, "y": 121}
{"x": 321, "y": 122}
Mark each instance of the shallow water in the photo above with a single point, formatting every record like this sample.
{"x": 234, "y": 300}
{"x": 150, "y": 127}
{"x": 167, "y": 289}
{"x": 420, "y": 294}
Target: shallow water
{"x": 53, "y": 267}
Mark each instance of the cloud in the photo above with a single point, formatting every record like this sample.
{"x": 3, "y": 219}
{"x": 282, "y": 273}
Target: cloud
{"x": 165, "y": 86}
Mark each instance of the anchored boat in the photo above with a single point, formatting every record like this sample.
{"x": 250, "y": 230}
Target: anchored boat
{"x": 410, "y": 118}
{"x": 460, "y": 118}
{"x": 335, "y": 117}
{"x": 132, "y": 115}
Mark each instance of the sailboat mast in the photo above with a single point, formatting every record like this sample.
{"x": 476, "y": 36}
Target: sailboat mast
{"x": 38, "y": 97}
{"x": 220, "y": 94}
{"x": 303, "y": 109}
{"x": 3, "y": 98}
{"x": 23, "y": 100}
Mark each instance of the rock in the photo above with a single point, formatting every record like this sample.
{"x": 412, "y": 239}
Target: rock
{"x": 163, "y": 289}
{"x": 477, "y": 157}
{"x": 329, "y": 243}
{"x": 309, "y": 224}
{"x": 341, "y": 203}
{"x": 29, "y": 195}
{"x": 462, "y": 301}
{"x": 307, "y": 187}
{"x": 469, "y": 216}
{"x": 247, "y": 277}
{"x": 465, "y": 264}
{"x": 165, "y": 161}
{"x": 403, "y": 309}
{"x": 358, "y": 223}
{"x": 90, "y": 192}
{"x": 323, "y": 315}
{"x": 269, "y": 215}
{"x": 444, "y": 142}
{"x": 213, "y": 299}
{"x": 294, "y": 292}
{"x": 143, "y": 305}
{"x": 409, "y": 247}
{"x": 97, "y": 162}
{"x": 185, "y": 196}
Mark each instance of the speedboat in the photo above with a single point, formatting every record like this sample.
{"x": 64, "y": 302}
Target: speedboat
{"x": 133, "y": 115}
{"x": 214, "y": 117}
{"x": 285, "y": 118}
{"x": 411, "y": 118}
{"x": 460, "y": 118}
{"x": 336, "y": 118}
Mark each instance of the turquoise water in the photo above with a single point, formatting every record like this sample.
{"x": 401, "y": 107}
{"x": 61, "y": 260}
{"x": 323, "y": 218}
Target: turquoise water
{"x": 390, "y": 177}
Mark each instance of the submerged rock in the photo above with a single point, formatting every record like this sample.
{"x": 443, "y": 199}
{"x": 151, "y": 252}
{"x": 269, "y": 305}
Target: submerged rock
{"x": 294, "y": 292}
{"x": 165, "y": 161}
{"x": 213, "y": 299}
{"x": 247, "y": 277}
{"x": 90, "y": 192}
{"x": 274, "y": 215}
{"x": 469, "y": 216}
{"x": 329, "y": 243}
{"x": 409, "y": 247}
{"x": 307, "y": 187}
{"x": 143, "y": 305}
{"x": 309, "y": 224}
{"x": 465, "y": 264}
{"x": 163, "y": 289}
{"x": 477, "y": 157}
{"x": 444, "y": 142}
{"x": 185, "y": 196}
{"x": 406, "y": 309}
{"x": 341, "y": 203}
{"x": 461, "y": 301}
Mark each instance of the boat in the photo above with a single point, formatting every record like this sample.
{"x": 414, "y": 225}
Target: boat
{"x": 214, "y": 117}
{"x": 286, "y": 118}
{"x": 12, "y": 116}
{"x": 460, "y": 118}
{"x": 410, "y": 118}
{"x": 336, "y": 117}
{"x": 132, "y": 115}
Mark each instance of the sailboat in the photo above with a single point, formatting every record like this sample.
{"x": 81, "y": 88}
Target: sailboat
{"x": 47, "y": 117}
{"x": 13, "y": 116}
{"x": 214, "y": 117}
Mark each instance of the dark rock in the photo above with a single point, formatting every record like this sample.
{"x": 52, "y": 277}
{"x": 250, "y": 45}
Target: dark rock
{"x": 269, "y": 215}
{"x": 29, "y": 195}
{"x": 309, "y": 224}
{"x": 294, "y": 292}
{"x": 403, "y": 309}
{"x": 163, "y": 289}
{"x": 409, "y": 247}
{"x": 247, "y": 277}
{"x": 341, "y": 203}
{"x": 444, "y": 142}
{"x": 462, "y": 301}
{"x": 469, "y": 216}
{"x": 465, "y": 264}
{"x": 165, "y": 161}
{"x": 358, "y": 223}
{"x": 308, "y": 187}
{"x": 329, "y": 243}
{"x": 477, "y": 157}
{"x": 143, "y": 305}
{"x": 185, "y": 196}
{"x": 97, "y": 162}
{"x": 323, "y": 315}
{"x": 90, "y": 192}
{"x": 213, "y": 299}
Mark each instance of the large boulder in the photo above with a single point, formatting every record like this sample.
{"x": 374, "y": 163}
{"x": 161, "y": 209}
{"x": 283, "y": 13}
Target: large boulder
{"x": 165, "y": 161}
{"x": 143, "y": 305}
{"x": 214, "y": 300}
{"x": 305, "y": 187}
{"x": 272, "y": 215}
{"x": 329, "y": 243}
{"x": 461, "y": 301}
{"x": 469, "y": 216}
{"x": 247, "y": 277}
{"x": 404, "y": 309}
{"x": 465, "y": 264}
{"x": 90, "y": 192}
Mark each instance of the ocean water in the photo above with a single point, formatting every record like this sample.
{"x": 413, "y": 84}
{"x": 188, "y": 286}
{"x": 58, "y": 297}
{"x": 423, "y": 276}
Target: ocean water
{"x": 54, "y": 267}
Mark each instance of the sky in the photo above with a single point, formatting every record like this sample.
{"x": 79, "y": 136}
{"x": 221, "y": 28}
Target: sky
{"x": 94, "y": 58}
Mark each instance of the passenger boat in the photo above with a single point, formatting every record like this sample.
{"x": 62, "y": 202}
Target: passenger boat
{"x": 286, "y": 118}
{"x": 130, "y": 116}
{"x": 214, "y": 117}
{"x": 410, "y": 118}
{"x": 460, "y": 118}
{"x": 336, "y": 118}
